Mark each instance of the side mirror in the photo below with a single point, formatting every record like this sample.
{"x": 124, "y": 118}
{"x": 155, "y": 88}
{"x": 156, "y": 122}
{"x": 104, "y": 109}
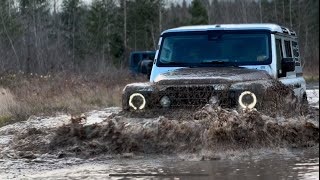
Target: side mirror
{"x": 288, "y": 65}
{"x": 145, "y": 67}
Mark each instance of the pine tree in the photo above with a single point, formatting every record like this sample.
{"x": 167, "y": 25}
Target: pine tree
{"x": 97, "y": 25}
{"x": 34, "y": 15}
{"x": 198, "y": 12}
{"x": 10, "y": 29}
{"x": 101, "y": 24}
{"x": 73, "y": 19}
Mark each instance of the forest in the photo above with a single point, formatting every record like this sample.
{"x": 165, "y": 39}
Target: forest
{"x": 77, "y": 36}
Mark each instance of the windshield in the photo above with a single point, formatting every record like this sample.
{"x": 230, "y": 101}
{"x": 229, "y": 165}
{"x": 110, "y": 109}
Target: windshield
{"x": 212, "y": 49}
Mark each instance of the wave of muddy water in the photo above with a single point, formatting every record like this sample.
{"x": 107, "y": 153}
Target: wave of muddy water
{"x": 110, "y": 144}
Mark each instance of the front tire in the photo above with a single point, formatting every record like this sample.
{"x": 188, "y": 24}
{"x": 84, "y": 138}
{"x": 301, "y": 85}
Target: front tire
{"x": 304, "y": 105}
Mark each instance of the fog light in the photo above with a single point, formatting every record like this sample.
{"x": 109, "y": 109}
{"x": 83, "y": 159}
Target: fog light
{"x": 137, "y": 101}
{"x": 214, "y": 100}
{"x": 247, "y": 100}
{"x": 232, "y": 95}
{"x": 165, "y": 102}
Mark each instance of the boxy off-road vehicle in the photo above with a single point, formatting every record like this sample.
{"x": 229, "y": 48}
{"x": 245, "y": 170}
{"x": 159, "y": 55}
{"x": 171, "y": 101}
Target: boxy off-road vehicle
{"x": 232, "y": 65}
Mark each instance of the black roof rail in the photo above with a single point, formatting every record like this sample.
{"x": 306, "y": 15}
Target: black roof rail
{"x": 288, "y": 31}
{"x": 285, "y": 30}
{"x": 293, "y": 33}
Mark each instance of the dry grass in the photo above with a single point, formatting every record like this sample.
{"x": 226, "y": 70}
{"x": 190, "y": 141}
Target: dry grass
{"x": 7, "y": 103}
{"x": 71, "y": 93}
{"x": 311, "y": 73}
{"x": 311, "y": 78}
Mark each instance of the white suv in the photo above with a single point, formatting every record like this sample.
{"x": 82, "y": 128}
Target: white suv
{"x": 234, "y": 65}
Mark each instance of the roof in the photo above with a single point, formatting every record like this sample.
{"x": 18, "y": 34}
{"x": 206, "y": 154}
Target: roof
{"x": 271, "y": 27}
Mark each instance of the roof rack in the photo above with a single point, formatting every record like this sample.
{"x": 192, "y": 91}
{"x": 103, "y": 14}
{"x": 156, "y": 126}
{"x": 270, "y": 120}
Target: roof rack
{"x": 288, "y": 31}
{"x": 264, "y": 26}
{"x": 285, "y": 30}
{"x": 293, "y": 33}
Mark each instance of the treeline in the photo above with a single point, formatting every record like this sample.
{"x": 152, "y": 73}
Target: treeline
{"x": 47, "y": 36}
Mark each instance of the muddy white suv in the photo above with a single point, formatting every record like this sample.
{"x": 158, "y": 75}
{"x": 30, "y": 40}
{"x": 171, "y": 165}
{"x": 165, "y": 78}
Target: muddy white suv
{"x": 232, "y": 65}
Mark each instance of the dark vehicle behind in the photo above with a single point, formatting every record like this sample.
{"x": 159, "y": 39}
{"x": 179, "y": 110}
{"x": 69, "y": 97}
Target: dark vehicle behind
{"x": 141, "y": 62}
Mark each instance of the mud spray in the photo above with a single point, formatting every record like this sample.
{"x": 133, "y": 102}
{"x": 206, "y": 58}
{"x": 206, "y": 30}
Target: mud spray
{"x": 211, "y": 129}
{"x": 208, "y": 129}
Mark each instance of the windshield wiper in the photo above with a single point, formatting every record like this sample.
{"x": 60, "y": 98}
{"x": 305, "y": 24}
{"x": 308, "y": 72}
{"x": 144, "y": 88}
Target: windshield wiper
{"x": 214, "y": 62}
{"x": 171, "y": 63}
{"x": 220, "y": 62}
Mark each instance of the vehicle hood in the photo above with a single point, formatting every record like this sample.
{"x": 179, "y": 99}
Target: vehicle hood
{"x": 210, "y": 75}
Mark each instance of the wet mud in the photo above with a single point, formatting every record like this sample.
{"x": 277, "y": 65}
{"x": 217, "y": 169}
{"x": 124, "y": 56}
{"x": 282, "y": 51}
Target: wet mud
{"x": 210, "y": 129}
{"x": 49, "y": 146}
{"x": 282, "y": 123}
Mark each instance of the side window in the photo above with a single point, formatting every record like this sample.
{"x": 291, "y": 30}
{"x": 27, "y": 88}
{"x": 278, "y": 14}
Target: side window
{"x": 287, "y": 46}
{"x": 144, "y": 56}
{"x": 136, "y": 59}
{"x": 296, "y": 54}
{"x": 279, "y": 56}
{"x": 166, "y": 51}
{"x": 295, "y": 49}
{"x": 279, "y": 50}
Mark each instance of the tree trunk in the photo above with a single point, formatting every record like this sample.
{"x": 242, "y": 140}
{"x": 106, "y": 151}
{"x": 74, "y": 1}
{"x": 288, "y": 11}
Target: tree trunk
{"x": 260, "y": 10}
{"x": 160, "y": 16}
{"x": 135, "y": 35}
{"x": 153, "y": 37}
{"x": 73, "y": 37}
{"x": 10, "y": 40}
{"x": 275, "y": 10}
{"x": 36, "y": 57}
{"x": 125, "y": 30}
{"x": 283, "y": 12}
{"x": 244, "y": 11}
{"x": 306, "y": 44}
{"x": 290, "y": 13}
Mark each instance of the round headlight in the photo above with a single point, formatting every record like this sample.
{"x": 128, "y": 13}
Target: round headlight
{"x": 165, "y": 102}
{"x": 247, "y": 100}
{"x": 137, "y": 101}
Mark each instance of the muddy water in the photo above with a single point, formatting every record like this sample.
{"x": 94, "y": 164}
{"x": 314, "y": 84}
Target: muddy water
{"x": 267, "y": 164}
{"x": 218, "y": 143}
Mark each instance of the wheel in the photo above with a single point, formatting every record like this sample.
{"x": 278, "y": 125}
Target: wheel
{"x": 304, "y": 105}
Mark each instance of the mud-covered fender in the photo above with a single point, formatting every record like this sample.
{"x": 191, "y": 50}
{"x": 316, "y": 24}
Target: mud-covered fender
{"x": 141, "y": 90}
{"x": 259, "y": 88}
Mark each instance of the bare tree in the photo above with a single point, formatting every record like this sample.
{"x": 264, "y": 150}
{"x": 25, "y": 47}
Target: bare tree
{"x": 260, "y": 10}
{"x": 59, "y": 39}
{"x": 125, "y": 28}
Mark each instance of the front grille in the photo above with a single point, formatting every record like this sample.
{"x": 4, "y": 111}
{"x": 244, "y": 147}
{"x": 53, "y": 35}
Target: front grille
{"x": 189, "y": 95}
